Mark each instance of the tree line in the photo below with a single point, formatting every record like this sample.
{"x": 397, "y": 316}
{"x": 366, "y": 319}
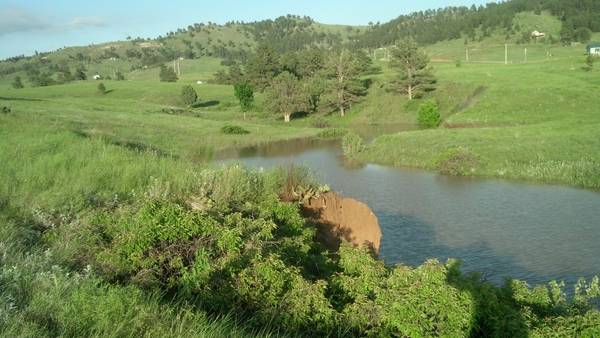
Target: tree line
{"x": 315, "y": 79}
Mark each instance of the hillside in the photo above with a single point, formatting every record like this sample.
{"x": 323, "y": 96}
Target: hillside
{"x": 118, "y": 219}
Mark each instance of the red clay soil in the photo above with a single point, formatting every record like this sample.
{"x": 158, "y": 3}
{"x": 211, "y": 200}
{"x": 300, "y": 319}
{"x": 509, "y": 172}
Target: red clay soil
{"x": 347, "y": 219}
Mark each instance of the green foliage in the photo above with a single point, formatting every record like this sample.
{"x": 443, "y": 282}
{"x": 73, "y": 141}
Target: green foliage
{"x": 6, "y": 109}
{"x": 17, "y": 83}
{"x": 457, "y": 162}
{"x": 263, "y": 67}
{"x": 188, "y": 95}
{"x": 234, "y": 130}
{"x": 167, "y": 74}
{"x": 429, "y": 115}
{"x": 285, "y": 96}
{"x": 414, "y": 77}
{"x": 119, "y": 76}
{"x": 333, "y": 133}
{"x": 320, "y": 122}
{"x": 352, "y": 144}
{"x": 343, "y": 86}
{"x": 101, "y": 89}
{"x": 245, "y": 94}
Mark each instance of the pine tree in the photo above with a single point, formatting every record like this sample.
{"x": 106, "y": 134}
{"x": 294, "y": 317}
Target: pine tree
{"x": 188, "y": 95}
{"x": 263, "y": 67}
{"x": 344, "y": 87}
{"x": 414, "y": 77}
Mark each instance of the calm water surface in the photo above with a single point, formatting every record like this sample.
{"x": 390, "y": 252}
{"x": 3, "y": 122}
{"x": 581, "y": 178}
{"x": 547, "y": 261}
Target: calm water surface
{"x": 503, "y": 229}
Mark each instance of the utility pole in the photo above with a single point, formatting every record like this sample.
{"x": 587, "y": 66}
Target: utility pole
{"x": 525, "y": 55}
{"x": 506, "y": 53}
{"x": 467, "y": 52}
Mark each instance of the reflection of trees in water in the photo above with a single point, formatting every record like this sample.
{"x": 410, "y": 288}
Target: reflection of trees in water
{"x": 285, "y": 148}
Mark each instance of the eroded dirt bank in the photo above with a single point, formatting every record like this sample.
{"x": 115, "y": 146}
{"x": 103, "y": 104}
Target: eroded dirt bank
{"x": 339, "y": 218}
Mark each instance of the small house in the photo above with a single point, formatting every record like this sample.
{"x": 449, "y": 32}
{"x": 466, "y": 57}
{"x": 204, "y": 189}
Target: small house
{"x": 593, "y": 49}
{"x": 199, "y": 82}
{"x": 97, "y": 77}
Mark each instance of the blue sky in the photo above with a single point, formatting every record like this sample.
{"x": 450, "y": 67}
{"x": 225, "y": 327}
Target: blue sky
{"x": 42, "y": 25}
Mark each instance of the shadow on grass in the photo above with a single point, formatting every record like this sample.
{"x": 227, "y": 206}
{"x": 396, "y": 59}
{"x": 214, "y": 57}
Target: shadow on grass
{"x": 19, "y": 99}
{"x": 206, "y": 104}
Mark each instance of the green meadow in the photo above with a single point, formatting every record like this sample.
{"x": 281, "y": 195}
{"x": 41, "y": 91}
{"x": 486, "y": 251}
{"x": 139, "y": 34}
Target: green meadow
{"x": 536, "y": 121}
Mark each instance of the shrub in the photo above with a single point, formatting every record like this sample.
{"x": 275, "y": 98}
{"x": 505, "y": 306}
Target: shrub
{"x": 320, "y": 122}
{"x": 429, "y": 115}
{"x": 352, "y": 144}
{"x": 188, "y": 95}
{"x": 234, "y": 130}
{"x": 457, "y": 162}
{"x": 101, "y": 88}
{"x": 17, "y": 83}
{"x": 6, "y": 109}
{"x": 458, "y": 63}
{"x": 167, "y": 74}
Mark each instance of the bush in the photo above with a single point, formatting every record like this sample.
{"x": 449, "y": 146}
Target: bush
{"x": 234, "y": 130}
{"x": 6, "y": 109}
{"x": 101, "y": 88}
{"x": 167, "y": 74}
{"x": 429, "y": 115}
{"x": 320, "y": 122}
{"x": 457, "y": 162}
{"x": 188, "y": 95}
{"x": 352, "y": 144}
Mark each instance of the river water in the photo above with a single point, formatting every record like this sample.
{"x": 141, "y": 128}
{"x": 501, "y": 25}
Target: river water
{"x": 502, "y": 229}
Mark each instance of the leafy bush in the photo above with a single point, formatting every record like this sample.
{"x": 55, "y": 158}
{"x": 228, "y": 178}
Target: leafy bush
{"x": 244, "y": 92}
{"x": 188, "y": 95}
{"x": 352, "y": 144}
{"x": 429, "y": 115}
{"x": 234, "y": 130}
{"x": 167, "y": 74}
{"x": 457, "y": 162}
{"x": 320, "y": 122}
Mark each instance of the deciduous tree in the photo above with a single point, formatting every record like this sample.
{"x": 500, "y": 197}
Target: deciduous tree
{"x": 285, "y": 95}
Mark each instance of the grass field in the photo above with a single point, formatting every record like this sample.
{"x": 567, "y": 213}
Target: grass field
{"x": 536, "y": 121}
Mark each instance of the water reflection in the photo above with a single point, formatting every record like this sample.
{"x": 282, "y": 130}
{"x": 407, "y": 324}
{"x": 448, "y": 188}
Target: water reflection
{"x": 502, "y": 229}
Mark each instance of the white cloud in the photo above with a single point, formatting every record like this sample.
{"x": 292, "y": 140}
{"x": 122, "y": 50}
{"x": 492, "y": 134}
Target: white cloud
{"x": 15, "y": 20}
{"x": 86, "y": 21}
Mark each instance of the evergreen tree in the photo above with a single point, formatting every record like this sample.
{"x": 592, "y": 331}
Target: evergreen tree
{"x": 344, "y": 87}
{"x": 80, "y": 73}
{"x": 119, "y": 76}
{"x": 188, "y": 95}
{"x": 101, "y": 88}
{"x": 414, "y": 77}
{"x": 285, "y": 95}
{"x": 17, "y": 83}
{"x": 167, "y": 74}
{"x": 263, "y": 67}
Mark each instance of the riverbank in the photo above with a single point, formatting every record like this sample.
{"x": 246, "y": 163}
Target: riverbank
{"x": 547, "y": 131}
